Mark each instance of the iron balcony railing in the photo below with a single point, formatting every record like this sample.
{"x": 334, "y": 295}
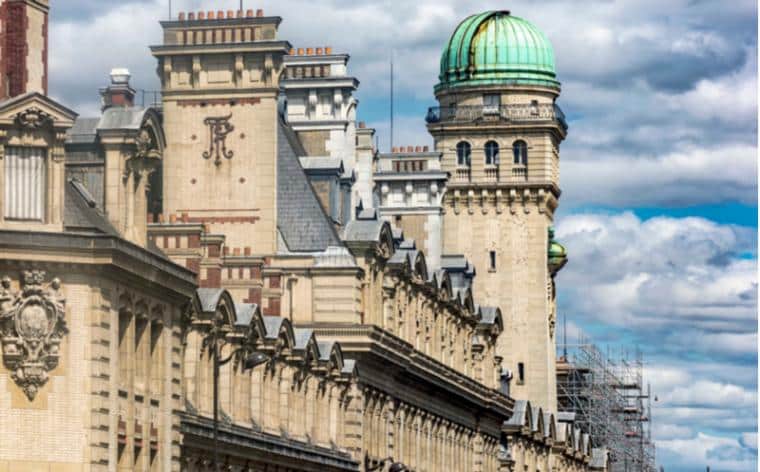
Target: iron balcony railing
{"x": 515, "y": 113}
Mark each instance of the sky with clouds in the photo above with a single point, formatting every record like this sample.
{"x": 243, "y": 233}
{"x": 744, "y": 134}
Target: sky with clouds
{"x": 659, "y": 171}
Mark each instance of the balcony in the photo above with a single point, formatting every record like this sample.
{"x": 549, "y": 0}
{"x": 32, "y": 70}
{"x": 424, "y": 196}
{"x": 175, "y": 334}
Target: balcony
{"x": 533, "y": 113}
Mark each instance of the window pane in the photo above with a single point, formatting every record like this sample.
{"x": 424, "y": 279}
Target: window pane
{"x": 24, "y": 183}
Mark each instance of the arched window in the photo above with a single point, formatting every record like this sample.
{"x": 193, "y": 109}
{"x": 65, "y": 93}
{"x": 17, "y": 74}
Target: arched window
{"x": 492, "y": 153}
{"x": 463, "y": 154}
{"x": 520, "y": 151}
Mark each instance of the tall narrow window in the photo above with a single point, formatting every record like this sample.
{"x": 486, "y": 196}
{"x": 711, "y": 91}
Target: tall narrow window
{"x": 464, "y": 151}
{"x": 520, "y": 151}
{"x": 24, "y": 183}
{"x": 492, "y": 260}
{"x": 520, "y": 373}
{"x": 125, "y": 319}
{"x": 492, "y": 153}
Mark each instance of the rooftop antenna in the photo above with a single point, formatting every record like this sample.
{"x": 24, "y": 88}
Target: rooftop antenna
{"x": 170, "y": 10}
{"x": 391, "y": 146}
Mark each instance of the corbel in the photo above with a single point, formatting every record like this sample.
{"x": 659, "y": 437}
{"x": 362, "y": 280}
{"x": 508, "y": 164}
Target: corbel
{"x": 470, "y": 198}
{"x": 268, "y": 69}
{"x": 526, "y": 198}
{"x": 456, "y": 201}
{"x": 484, "y": 201}
{"x": 498, "y": 201}
{"x": 512, "y": 201}
{"x": 541, "y": 200}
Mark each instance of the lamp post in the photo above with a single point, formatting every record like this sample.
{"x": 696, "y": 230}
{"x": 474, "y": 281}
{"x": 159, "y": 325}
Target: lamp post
{"x": 214, "y": 341}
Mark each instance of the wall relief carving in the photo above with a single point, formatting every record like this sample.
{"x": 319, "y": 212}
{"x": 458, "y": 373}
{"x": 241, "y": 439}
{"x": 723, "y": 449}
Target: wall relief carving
{"x": 34, "y": 118}
{"x": 32, "y": 325}
{"x": 218, "y": 129}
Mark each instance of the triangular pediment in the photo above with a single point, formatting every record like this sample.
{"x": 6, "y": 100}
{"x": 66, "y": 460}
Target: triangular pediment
{"x": 35, "y": 106}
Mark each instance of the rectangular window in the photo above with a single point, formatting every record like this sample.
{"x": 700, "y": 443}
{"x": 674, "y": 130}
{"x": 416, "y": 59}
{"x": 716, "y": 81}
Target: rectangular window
{"x": 520, "y": 373}
{"x": 492, "y": 260}
{"x": 24, "y": 183}
{"x": 491, "y": 103}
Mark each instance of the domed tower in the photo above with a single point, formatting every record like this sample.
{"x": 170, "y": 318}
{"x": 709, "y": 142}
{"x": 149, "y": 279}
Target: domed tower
{"x": 499, "y": 130}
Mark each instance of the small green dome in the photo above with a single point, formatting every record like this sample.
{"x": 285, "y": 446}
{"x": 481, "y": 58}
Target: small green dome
{"x": 556, "y": 252}
{"x": 496, "y": 48}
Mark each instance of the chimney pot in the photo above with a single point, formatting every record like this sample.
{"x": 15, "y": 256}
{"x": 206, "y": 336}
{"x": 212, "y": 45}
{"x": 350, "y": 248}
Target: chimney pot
{"x": 300, "y": 51}
{"x": 418, "y": 149}
{"x": 160, "y": 217}
{"x": 309, "y": 51}
{"x": 181, "y": 16}
{"x": 185, "y": 218}
{"x": 319, "y": 51}
{"x": 247, "y": 251}
{"x": 230, "y": 14}
{"x": 394, "y": 149}
{"x": 236, "y": 251}
{"x": 292, "y": 51}
{"x": 172, "y": 218}
{"x": 191, "y": 16}
{"x": 226, "y": 251}
{"x": 220, "y": 15}
{"x": 425, "y": 148}
{"x": 328, "y": 50}
{"x": 210, "y": 15}
{"x": 259, "y": 13}
{"x": 249, "y": 13}
{"x": 201, "y": 15}
{"x": 240, "y": 13}
{"x": 362, "y": 125}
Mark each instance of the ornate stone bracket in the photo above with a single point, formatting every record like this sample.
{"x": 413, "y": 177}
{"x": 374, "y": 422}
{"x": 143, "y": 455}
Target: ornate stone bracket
{"x": 32, "y": 325}
{"x": 218, "y": 128}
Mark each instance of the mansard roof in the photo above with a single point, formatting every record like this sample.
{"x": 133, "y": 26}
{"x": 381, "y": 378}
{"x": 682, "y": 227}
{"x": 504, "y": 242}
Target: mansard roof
{"x": 81, "y": 212}
{"x": 301, "y": 219}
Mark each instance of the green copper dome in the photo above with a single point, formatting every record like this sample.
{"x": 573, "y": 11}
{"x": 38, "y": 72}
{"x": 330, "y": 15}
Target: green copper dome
{"x": 496, "y": 48}
{"x": 556, "y": 252}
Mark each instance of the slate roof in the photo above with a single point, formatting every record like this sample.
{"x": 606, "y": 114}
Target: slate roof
{"x": 84, "y": 131}
{"x": 520, "y": 411}
{"x": 301, "y": 220}
{"x": 122, "y": 118}
{"x": 81, "y": 212}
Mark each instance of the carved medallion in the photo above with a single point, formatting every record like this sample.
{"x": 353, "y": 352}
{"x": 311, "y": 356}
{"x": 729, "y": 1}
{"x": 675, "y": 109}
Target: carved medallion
{"x": 34, "y": 118}
{"x": 32, "y": 325}
{"x": 218, "y": 129}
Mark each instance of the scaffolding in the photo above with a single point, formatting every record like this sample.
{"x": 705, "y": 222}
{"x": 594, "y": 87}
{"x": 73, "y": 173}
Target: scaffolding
{"x": 606, "y": 398}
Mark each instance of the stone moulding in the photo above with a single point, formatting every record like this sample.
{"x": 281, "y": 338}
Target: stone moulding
{"x": 32, "y": 325}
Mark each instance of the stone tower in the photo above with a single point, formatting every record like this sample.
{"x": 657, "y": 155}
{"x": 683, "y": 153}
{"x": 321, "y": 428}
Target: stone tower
{"x": 499, "y": 130}
{"x": 23, "y": 47}
{"x": 220, "y": 76}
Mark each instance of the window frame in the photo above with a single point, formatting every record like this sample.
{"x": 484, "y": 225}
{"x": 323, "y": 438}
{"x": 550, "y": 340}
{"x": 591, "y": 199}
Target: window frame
{"x": 41, "y": 179}
{"x": 520, "y": 152}
{"x": 491, "y": 159}
{"x": 467, "y": 158}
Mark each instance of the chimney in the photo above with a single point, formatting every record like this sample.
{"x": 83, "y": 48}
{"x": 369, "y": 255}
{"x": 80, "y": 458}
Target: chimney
{"x": 23, "y": 47}
{"x": 118, "y": 93}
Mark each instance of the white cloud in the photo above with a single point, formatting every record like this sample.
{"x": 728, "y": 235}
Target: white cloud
{"x": 721, "y": 454}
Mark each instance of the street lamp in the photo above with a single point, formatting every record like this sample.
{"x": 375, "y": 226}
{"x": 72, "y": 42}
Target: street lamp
{"x": 215, "y": 341}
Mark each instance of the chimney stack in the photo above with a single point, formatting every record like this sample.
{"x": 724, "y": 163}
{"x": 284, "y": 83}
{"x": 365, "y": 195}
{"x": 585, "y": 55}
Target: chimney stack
{"x": 118, "y": 93}
{"x": 23, "y": 47}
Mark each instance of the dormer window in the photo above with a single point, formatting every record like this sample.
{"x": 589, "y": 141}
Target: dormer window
{"x": 25, "y": 183}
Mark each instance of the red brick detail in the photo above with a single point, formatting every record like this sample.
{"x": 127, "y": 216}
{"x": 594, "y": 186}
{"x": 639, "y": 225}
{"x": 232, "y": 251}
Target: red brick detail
{"x": 254, "y": 296}
{"x": 176, "y": 241}
{"x": 221, "y": 101}
{"x": 214, "y": 278}
{"x": 255, "y": 273}
{"x": 274, "y": 307}
{"x": 221, "y": 219}
{"x": 166, "y": 242}
{"x": 194, "y": 265}
{"x": 274, "y": 281}
{"x": 240, "y": 273}
{"x": 194, "y": 240}
{"x": 15, "y": 49}
{"x": 214, "y": 250}
{"x": 45, "y": 55}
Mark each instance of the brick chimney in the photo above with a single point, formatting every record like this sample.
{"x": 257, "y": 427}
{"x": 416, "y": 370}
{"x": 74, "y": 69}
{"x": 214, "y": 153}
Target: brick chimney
{"x": 119, "y": 93}
{"x": 23, "y": 47}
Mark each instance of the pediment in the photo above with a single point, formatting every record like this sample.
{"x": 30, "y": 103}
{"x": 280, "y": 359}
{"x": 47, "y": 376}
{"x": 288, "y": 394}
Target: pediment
{"x": 34, "y": 110}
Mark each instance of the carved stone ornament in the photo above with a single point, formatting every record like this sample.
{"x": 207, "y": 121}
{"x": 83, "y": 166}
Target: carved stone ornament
{"x": 218, "y": 129}
{"x": 34, "y": 118}
{"x": 32, "y": 325}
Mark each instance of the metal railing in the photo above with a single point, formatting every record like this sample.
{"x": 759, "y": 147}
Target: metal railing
{"x": 514, "y": 113}
{"x": 148, "y": 98}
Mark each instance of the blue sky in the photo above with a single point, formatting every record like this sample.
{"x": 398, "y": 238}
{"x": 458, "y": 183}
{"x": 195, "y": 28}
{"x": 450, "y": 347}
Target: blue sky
{"x": 659, "y": 171}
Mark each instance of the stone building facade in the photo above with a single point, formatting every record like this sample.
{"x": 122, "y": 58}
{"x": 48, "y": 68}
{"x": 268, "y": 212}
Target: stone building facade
{"x": 156, "y": 259}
